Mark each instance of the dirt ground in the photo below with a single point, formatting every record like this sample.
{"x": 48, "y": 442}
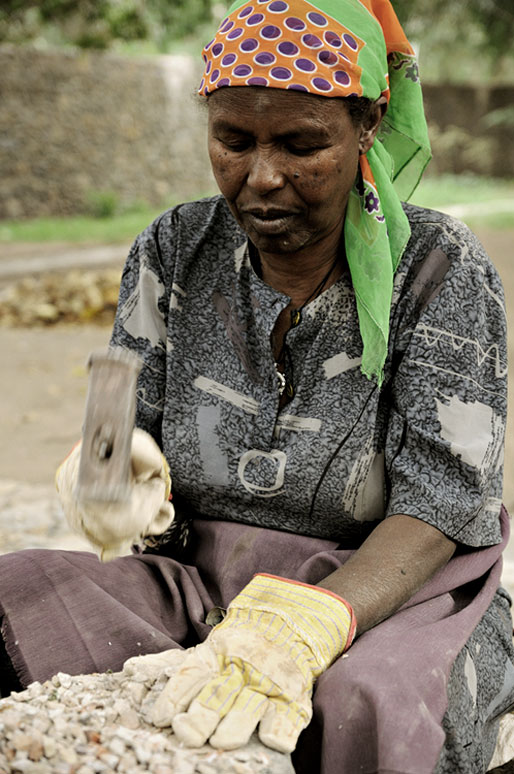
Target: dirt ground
{"x": 44, "y": 381}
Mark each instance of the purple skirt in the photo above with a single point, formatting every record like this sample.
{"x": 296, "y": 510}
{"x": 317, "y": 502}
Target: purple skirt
{"x": 386, "y": 707}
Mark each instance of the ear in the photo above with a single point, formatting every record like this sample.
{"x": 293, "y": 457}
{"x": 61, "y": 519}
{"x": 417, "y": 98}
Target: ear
{"x": 371, "y": 124}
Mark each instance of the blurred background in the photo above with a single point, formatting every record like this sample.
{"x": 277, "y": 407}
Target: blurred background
{"x": 100, "y": 130}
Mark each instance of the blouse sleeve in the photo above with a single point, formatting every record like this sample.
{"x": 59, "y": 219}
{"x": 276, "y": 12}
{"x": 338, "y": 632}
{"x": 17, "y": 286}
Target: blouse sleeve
{"x": 444, "y": 449}
{"x": 141, "y": 322}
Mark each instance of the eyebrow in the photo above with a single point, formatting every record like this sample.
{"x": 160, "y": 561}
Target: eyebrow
{"x": 318, "y": 133}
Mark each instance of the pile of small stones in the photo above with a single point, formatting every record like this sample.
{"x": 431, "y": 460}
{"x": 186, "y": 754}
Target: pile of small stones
{"x": 97, "y": 724}
{"x": 73, "y": 296}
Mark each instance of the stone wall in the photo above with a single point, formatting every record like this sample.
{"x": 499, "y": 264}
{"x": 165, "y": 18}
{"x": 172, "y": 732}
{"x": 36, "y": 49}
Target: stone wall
{"x": 72, "y": 124}
{"x": 75, "y": 124}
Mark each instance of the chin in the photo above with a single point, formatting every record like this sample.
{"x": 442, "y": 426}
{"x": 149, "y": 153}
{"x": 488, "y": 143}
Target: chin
{"x": 281, "y": 244}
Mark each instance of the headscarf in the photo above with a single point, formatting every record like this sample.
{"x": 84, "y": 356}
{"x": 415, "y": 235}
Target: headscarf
{"x": 342, "y": 48}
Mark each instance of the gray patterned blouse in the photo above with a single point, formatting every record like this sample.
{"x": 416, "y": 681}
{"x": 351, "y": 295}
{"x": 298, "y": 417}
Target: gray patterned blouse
{"x": 341, "y": 454}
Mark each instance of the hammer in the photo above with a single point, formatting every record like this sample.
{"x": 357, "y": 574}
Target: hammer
{"x": 104, "y": 469}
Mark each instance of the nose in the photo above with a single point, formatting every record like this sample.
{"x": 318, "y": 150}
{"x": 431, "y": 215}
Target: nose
{"x": 265, "y": 173}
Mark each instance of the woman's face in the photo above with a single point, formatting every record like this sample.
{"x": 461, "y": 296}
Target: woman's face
{"x": 285, "y": 161}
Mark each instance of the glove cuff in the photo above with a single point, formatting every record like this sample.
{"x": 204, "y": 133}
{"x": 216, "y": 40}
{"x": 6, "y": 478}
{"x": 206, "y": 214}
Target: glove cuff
{"x": 353, "y": 621}
{"x": 323, "y": 621}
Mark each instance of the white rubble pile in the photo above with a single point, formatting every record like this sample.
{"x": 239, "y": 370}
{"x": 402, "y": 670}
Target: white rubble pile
{"x": 97, "y": 724}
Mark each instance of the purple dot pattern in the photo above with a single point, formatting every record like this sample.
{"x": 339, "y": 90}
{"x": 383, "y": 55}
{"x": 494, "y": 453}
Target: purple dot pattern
{"x": 332, "y": 39}
{"x": 228, "y": 60}
{"x": 278, "y": 7}
{"x": 281, "y": 73}
{"x": 250, "y": 44}
{"x": 311, "y": 41}
{"x": 287, "y": 48}
{"x": 271, "y": 32}
{"x": 242, "y": 71}
{"x": 321, "y": 84}
{"x": 350, "y": 41}
{"x": 342, "y": 77}
{"x": 317, "y": 19}
{"x": 305, "y": 65}
{"x": 328, "y": 58}
{"x": 285, "y": 44}
{"x": 293, "y": 23}
{"x": 257, "y": 81}
{"x": 265, "y": 58}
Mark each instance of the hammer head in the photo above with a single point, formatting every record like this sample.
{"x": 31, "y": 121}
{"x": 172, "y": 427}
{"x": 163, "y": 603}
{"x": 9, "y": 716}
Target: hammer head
{"x": 104, "y": 470}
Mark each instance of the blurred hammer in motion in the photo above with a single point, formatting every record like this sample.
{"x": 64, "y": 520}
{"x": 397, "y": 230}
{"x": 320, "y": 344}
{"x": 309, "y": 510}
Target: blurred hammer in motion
{"x": 104, "y": 470}
{"x": 115, "y": 485}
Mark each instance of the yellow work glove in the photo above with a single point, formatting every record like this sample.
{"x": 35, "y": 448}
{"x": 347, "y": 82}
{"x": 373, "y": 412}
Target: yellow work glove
{"x": 114, "y": 527}
{"x": 257, "y": 667}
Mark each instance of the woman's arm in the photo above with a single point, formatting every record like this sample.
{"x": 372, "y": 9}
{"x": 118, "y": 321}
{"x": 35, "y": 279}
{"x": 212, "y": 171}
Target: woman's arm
{"x": 396, "y": 560}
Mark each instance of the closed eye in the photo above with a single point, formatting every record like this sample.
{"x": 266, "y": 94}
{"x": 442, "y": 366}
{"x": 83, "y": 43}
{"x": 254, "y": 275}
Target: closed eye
{"x": 234, "y": 142}
{"x": 303, "y": 150}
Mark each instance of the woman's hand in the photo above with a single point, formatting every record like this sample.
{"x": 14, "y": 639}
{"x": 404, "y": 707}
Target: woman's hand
{"x": 114, "y": 527}
{"x": 256, "y": 668}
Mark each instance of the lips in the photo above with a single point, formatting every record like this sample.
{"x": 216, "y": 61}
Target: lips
{"x": 269, "y": 214}
{"x": 268, "y": 221}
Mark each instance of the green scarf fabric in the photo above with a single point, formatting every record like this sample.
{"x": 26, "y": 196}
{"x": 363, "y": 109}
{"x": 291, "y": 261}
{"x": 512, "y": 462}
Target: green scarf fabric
{"x": 341, "y": 48}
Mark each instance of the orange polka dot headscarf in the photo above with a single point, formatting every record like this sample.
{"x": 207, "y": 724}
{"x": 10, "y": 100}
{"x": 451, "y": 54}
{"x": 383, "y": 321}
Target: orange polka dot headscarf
{"x": 342, "y": 48}
{"x": 284, "y": 45}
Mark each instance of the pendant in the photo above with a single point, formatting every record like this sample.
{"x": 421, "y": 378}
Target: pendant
{"x": 281, "y": 381}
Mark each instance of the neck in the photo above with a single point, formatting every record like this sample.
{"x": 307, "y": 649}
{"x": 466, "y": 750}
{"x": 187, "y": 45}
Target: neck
{"x": 298, "y": 274}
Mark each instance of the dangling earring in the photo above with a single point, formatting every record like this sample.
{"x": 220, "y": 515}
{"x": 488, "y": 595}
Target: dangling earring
{"x": 363, "y": 141}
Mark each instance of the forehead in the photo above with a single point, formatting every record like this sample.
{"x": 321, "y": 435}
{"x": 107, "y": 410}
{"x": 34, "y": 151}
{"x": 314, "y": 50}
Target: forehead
{"x": 254, "y": 103}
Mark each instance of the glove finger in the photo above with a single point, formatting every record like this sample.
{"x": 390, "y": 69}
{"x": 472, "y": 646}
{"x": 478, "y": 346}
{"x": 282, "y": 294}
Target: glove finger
{"x": 195, "y": 726}
{"x": 283, "y": 722}
{"x": 145, "y": 455}
{"x": 200, "y": 666}
{"x": 147, "y": 460}
{"x": 236, "y": 728}
{"x": 67, "y": 472}
{"x": 152, "y": 665}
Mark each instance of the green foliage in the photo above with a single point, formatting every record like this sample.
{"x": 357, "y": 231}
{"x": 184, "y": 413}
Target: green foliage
{"x": 462, "y": 39}
{"x": 501, "y": 117}
{"x": 78, "y": 229}
{"x": 99, "y": 23}
{"x": 102, "y": 204}
{"x": 84, "y": 23}
{"x": 435, "y": 192}
{"x": 459, "y": 40}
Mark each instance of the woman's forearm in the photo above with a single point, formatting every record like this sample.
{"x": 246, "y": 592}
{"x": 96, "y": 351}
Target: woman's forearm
{"x": 395, "y": 561}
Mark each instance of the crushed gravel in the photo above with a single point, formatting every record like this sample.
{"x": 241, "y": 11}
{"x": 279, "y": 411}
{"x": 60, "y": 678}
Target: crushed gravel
{"x": 97, "y": 724}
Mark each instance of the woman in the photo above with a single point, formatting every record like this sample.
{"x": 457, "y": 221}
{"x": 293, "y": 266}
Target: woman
{"x": 324, "y": 370}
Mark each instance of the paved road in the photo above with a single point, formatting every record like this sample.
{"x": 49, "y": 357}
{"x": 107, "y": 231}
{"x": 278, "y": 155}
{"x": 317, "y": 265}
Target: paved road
{"x": 22, "y": 259}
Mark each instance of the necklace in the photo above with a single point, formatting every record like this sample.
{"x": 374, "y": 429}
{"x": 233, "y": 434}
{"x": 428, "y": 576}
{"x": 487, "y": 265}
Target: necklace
{"x": 296, "y": 316}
